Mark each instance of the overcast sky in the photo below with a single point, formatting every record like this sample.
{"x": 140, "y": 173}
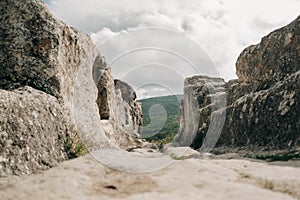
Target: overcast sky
{"x": 191, "y": 37}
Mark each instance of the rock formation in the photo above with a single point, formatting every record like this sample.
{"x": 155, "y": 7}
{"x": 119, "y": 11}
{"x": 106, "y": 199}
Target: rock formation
{"x": 260, "y": 110}
{"x": 133, "y": 113}
{"x": 121, "y": 115}
{"x": 56, "y": 92}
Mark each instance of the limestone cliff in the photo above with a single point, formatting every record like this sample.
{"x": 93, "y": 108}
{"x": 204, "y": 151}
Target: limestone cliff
{"x": 260, "y": 110}
{"x": 55, "y": 90}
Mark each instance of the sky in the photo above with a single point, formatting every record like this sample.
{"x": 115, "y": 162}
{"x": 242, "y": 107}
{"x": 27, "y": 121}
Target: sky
{"x": 155, "y": 44}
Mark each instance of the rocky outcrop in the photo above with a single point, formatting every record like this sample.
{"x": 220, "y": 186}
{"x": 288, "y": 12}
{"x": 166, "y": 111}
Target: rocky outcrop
{"x": 259, "y": 111}
{"x": 134, "y": 113}
{"x": 128, "y": 93}
{"x": 273, "y": 59}
{"x": 121, "y": 115}
{"x": 202, "y": 96}
{"x": 55, "y": 91}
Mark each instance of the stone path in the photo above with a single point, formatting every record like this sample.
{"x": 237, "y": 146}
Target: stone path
{"x": 87, "y": 178}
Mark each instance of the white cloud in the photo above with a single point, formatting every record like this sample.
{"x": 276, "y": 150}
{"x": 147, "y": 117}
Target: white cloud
{"x": 223, "y": 28}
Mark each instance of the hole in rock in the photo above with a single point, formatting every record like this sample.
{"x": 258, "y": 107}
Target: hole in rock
{"x": 111, "y": 187}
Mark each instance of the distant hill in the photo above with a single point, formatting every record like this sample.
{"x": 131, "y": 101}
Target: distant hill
{"x": 165, "y": 121}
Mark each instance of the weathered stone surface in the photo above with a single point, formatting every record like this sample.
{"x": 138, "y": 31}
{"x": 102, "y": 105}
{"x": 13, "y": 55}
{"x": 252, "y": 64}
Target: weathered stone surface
{"x": 61, "y": 71}
{"x": 42, "y": 52}
{"x": 274, "y": 58}
{"x": 202, "y": 96}
{"x": 209, "y": 179}
{"x": 267, "y": 118}
{"x": 33, "y": 131}
{"x": 128, "y": 95}
{"x": 105, "y": 95}
{"x": 121, "y": 115}
{"x": 262, "y": 109}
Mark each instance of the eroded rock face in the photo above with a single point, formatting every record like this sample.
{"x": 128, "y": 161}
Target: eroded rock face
{"x": 51, "y": 79}
{"x": 267, "y": 118}
{"x": 273, "y": 59}
{"x": 128, "y": 93}
{"x": 202, "y": 96}
{"x": 33, "y": 131}
{"x": 135, "y": 108}
{"x": 262, "y": 106}
{"x": 120, "y": 114}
